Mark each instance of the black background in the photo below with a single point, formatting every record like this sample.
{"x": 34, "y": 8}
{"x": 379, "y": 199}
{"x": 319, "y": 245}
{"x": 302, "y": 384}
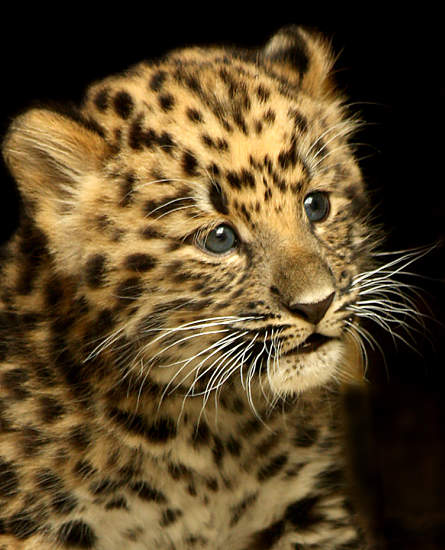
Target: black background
{"x": 390, "y": 64}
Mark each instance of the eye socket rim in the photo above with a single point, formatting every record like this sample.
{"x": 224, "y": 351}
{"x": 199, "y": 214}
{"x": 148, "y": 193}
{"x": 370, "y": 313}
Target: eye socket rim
{"x": 235, "y": 245}
{"x": 325, "y": 195}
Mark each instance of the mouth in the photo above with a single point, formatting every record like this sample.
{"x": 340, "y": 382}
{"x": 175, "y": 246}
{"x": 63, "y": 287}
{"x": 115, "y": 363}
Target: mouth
{"x": 301, "y": 367}
{"x": 312, "y": 343}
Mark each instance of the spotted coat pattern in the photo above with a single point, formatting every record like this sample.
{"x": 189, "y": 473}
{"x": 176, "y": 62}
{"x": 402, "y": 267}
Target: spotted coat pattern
{"x": 154, "y": 393}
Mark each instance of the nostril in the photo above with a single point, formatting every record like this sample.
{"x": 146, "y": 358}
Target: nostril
{"x": 312, "y": 312}
{"x": 301, "y": 311}
{"x": 274, "y": 290}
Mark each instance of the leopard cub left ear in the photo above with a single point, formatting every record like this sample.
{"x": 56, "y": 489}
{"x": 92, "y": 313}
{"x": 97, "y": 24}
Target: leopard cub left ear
{"x": 303, "y": 57}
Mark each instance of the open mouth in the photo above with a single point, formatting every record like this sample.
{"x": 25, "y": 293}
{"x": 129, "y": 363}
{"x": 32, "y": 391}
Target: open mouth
{"x": 312, "y": 343}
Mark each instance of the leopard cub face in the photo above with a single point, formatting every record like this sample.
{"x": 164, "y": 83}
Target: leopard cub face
{"x": 204, "y": 217}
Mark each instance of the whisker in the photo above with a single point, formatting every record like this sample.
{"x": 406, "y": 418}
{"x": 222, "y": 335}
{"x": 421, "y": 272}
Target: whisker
{"x": 250, "y": 374}
{"x": 205, "y": 323}
{"x": 104, "y": 344}
{"x": 168, "y": 203}
{"x": 392, "y": 303}
{"x": 243, "y": 360}
{"x": 190, "y": 392}
{"x": 206, "y": 393}
{"x": 197, "y": 324}
{"x": 175, "y": 210}
{"x": 408, "y": 258}
{"x": 185, "y": 339}
{"x": 347, "y": 129}
{"x": 219, "y": 370}
{"x": 344, "y": 146}
{"x": 220, "y": 345}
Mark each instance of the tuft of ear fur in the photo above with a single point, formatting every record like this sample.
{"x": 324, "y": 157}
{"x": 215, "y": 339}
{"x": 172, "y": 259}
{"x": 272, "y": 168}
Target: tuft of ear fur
{"x": 49, "y": 155}
{"x": 303, "y": 57}
{"x": 54, "y": 159}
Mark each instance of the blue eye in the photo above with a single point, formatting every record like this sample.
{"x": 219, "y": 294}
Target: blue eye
{"x": 317, "y": 206}
{"x": 220, "y": 240}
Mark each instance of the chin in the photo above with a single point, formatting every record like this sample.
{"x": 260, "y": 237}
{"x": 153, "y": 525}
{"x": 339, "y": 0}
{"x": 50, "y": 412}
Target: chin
{"x": 299, "y": 372}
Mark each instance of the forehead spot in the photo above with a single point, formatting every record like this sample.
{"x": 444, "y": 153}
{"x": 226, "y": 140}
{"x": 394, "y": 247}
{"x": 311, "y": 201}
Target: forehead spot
{"x": 123, "y": 104}
{"x": 233, "y": 179}
{"x": 189, "y": 163}
{"x": 220, "y": 144}
{"x": 281, "y": 184}
{"x": 218, "y": 199}
{"x": 166, "y": 102}
{"x": 194, "y": 115}
{"x": 136, "y": 135}
{"x": 157, "y": 80}
{"x": 242, "y": 179}
{"x": 296, "y": 187}
{"x": 101, "y": 100}
{"x": 138, "y": 138}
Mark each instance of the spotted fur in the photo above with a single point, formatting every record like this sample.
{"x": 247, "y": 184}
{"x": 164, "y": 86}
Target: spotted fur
{"x": 155, "y": 394}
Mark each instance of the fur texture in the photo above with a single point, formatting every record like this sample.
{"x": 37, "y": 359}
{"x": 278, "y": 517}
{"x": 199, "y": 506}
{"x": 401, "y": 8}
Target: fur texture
{"x": 158, "y": 391}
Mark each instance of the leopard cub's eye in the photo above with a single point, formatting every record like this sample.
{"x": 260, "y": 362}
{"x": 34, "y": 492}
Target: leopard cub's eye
{"x": 317, "y": 206}
{"x": 220, "y": 240}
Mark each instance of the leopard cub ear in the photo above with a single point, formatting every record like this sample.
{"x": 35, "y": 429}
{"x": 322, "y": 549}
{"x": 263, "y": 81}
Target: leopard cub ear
{"x": 57, "y": 162}
{"x": 50, "y": 155}
{"x": 302, "y": 57}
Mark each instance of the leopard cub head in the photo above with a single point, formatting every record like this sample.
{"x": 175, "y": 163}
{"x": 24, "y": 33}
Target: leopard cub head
{"x": 209, "y": 211}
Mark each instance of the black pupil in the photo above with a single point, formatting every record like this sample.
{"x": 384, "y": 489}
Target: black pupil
{"x": 316, "y": 206}
{"x": 221, "y": 239}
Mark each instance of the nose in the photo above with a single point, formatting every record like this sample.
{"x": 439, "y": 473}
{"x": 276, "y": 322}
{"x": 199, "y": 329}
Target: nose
{"x": 312, "y": 312}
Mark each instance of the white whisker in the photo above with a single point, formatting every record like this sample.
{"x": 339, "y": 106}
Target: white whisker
{"x": 106, "y": 343}
{"x": 219, "y": 345}
{"x": 168, "y": 203}
{"x": 175, "y": 210}
{"x": 389, "y": 302}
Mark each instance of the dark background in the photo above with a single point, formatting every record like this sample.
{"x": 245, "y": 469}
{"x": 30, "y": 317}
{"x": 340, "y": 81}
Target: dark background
{"x": 390, "y": 64}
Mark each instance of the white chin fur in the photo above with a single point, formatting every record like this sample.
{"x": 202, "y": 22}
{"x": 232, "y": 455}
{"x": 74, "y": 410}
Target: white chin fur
{"x": 300, "y": 372}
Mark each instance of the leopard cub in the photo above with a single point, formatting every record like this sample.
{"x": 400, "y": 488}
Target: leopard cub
{"x": 175, "y": 315}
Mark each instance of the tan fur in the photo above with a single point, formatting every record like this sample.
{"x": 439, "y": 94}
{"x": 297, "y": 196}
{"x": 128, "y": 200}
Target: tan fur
{"x": 155, "y": 393}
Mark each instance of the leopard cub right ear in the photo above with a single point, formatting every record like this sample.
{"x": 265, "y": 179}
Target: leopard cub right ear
{"x": 56, "y": 161}
{"x": 303, "y": 57}
{"x": 49, "y": 155}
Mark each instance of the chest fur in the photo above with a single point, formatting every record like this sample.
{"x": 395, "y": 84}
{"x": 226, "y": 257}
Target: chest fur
{"x": 217, "y": 489}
